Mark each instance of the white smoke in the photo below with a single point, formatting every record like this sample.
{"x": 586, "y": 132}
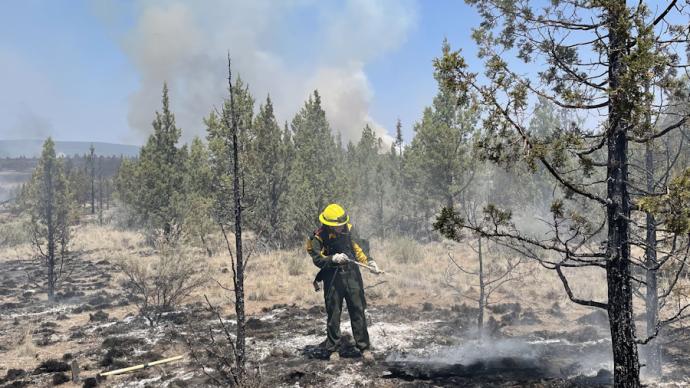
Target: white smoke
{"x": 555, "y": 357}
{"x": 272, "y": 48}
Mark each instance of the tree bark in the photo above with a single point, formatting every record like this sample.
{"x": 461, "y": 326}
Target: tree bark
{"x": 620, "y": 296}
{"x": 240, "y": 356}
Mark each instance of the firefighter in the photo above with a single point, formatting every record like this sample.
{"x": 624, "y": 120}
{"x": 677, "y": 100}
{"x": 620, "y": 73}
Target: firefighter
{"x": 333, "y": 250}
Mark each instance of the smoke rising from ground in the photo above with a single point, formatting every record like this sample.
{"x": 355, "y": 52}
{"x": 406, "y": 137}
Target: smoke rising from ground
{"x": 556, "y": 357}
{"x": 185, "y": 44}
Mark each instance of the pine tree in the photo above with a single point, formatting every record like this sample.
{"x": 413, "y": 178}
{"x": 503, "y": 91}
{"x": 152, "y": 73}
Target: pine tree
{"x": 440, "y": 150}
{"x": 269, "y": 166}
{"x": 52, "y": 208}
{"x": 154, "y": 184}
{"x": 220, "y": 146}
{"x": 198, "y": 188}
{"x": 399, "y": 190}
{"x": 315, "y": 178}
{"x": 598, "y": 58}
{"x": 363, "y": 169}
{"x": 398, "y": 144}
{"x": 366, "y": 154}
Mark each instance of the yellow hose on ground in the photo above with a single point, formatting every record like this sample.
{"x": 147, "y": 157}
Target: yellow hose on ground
{"x": 140, "y": 366}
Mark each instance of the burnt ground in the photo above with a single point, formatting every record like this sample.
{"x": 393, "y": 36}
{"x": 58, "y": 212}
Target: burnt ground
{"x": 92, "y": 323}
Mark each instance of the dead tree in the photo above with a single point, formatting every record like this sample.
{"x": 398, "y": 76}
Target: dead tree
{"x": 224, "y": 143}
{"x": 490, "y": 275}
{"x": 664, "y": 255}
{"x": 91, "y": 166}
{"x": 665, "y": 246}
{"x": 230, "y": 117}
{"x": 595, "y": 59}
{"x": 100, "y": 190}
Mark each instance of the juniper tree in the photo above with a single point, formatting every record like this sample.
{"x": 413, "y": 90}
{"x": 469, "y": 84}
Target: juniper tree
{"x": 441, "y": 147}
{"x": 316, "y": 177}
{"x": 51, "y": 206}
{"x": 589, "y": 58}
{"x": 396, "y": 177}
{"x": 438, "y": 163}
{"x": 219, "y": 138}
{"x": 269, "y": 166}
{"x": 153, "y": 185}
{"x": 125, "y": 183}
{"x": 364, "y": 181}
{"x": 78, "y": 176}
{"x": 198, "y": 222}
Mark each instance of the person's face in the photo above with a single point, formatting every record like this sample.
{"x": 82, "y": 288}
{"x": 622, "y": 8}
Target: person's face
{"x": 339, "y": 229}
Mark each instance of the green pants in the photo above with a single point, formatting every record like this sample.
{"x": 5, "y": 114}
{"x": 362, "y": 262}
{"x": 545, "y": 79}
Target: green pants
{"x": 345, "y": 284}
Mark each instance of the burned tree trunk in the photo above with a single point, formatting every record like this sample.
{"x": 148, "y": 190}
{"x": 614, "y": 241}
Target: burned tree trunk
{"x": 239, "y": 282}
{"x": 230, "y": 118}
{"x": 92, "y": 177}
{"x": 620, "y": 294}
{"x": 100, "y": 191}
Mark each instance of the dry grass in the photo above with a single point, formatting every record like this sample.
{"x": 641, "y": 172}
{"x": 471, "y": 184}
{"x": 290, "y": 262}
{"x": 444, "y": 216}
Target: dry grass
{"x": 93, "y": 237}
{"x": 414, "y": 274}
{"x": 25, "y": 347}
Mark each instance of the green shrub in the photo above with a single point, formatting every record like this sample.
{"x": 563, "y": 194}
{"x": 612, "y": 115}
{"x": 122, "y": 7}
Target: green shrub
{"x": 14, "y": 232}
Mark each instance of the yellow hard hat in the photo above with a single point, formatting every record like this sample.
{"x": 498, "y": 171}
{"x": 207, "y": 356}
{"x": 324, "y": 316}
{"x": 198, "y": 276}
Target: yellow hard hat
{"x": 334, "y": 215}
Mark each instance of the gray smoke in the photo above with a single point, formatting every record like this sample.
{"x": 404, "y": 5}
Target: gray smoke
{"x": 555, "y": 357}
{"x": 185, "y": 44}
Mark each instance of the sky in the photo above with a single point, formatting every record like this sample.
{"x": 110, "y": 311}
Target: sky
{"x": 93, "y": 70}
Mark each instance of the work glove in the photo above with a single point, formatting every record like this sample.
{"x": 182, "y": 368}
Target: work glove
{"x": 373, "y": 267}
{"x": 339, "y": 258}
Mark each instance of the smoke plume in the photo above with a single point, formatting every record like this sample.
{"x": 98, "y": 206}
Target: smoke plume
{"x": 285, "y": 48}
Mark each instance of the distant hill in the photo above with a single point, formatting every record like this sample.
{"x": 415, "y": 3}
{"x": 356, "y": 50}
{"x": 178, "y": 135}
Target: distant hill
{"x": 32, "y": 148}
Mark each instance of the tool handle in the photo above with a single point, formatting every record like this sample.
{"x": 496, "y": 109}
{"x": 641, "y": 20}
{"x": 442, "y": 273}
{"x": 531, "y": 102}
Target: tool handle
{"x": 379, "y": 272}
{"x": 141, "y": 366}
